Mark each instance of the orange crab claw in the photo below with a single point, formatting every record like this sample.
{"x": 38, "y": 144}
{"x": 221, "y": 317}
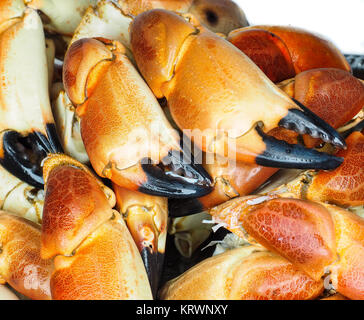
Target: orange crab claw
{"x": 267, "y": 51}
{"x": 301, "y": 231}
{"x": 146, "y": 217}
{"x": 126, "y": 134}
{"x": 307, "y": 50}
{"x": 20, "y": 263}
{"x": 226, "y": 102}
{"x": 94, "y": 254}
{"x": 318, "y": 238}
{"x": 247, "y": 273}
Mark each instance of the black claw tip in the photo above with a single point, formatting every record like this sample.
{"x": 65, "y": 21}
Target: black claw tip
{"x": 280, "y": 154}
{"x": 153, "y": 262}
{"x": 306, "y": 122}
{"x": 177, "y": 178}
{"x": 53, "y": 144}
{"x": 19, "y": 161}
{"x": 184, "y": 207}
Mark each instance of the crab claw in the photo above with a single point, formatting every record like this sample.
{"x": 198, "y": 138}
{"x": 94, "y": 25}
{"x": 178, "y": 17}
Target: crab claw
{"x": 225, "y": 97}
{"x": 126, "y": 134}
{"x": 146, "y": 217}
{"x": 27, "y": 130}
{"x": 94, "y": 254}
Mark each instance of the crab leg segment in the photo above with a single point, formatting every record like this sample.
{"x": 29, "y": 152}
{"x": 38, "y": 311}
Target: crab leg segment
{"x": 230, "y": 103}
{"x": 94, "y": 254}
{"x": 146, "y": 217}
{"x": 126, "y": 135}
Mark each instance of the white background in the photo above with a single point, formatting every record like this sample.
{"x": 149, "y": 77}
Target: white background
{"x": 341, "y": 21}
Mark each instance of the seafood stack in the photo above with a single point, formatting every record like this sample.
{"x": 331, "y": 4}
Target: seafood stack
{"x": 123, "y": 121}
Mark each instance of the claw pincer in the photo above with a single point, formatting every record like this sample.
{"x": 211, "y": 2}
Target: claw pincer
{"x": 226, "y": 104}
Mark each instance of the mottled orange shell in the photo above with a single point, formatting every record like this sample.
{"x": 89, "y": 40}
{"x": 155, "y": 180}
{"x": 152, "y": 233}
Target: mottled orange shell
{"x": 20, "y": 263}
{"x": 333, "y": 94}
{"x": 348, "y": 274}
{"x": 74, "y": 207}
{"x": 345, "y": 185}
{"x": 106, "y": 266}
{"x": 301, "y": 231}
{"x": 267, "y": 51}
{"x": 308, "y": 51}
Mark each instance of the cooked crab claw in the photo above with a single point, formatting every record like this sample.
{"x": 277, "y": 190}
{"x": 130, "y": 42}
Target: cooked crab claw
{"x": 178, "y": 179}
{"x": 27, "y": 129}
{"x": 125, "y": 132}
{"x": 226, "y": 94}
